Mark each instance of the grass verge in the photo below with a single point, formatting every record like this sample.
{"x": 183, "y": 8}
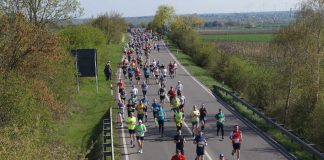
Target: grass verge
{"x": 83, "y": 128}
{"x": 238, "y": 37}
{"x": 205, "y": 78}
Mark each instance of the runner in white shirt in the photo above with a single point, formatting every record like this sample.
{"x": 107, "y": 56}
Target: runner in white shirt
{"x": 164, "y": 72}
{"x": 182, "y": 102}
{"x": 154, "y": 62}
{"x": 175, "y": 68}
{"x": 134, "y": 90}
{"x": 179, "y": 88}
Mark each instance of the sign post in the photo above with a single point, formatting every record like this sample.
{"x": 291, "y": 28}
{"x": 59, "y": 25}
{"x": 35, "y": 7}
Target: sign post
{"x": 77, "y": 72}
{"x": 96, "y": 68}
{"x": 86, "y": 65}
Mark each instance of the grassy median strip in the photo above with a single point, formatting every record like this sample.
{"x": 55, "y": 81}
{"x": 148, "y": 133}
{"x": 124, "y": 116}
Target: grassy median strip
{"x": 204, "y": 77}
{"x": 83, "y": 128}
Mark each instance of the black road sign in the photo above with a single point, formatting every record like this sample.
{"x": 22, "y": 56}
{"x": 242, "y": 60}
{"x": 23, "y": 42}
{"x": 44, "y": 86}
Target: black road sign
{"x": 86, "y": 61}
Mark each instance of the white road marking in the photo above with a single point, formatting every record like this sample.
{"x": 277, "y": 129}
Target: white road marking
{"x": 185, "y": 70}
{"x": 189, "y": 130}
{"x": 123, "y": 131}
{"x": 203, "y": 86}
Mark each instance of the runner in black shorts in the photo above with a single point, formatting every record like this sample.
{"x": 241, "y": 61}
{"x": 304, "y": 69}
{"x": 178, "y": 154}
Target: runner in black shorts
{"x": 201, "y": 143}
{"x": 162, "y": 93}
{"x": 124, "y": 71}
{"x": 202, "y": 117}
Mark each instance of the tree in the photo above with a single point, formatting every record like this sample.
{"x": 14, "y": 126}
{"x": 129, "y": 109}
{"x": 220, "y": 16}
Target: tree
{"x": 163, "y": 18}
{"x": 42, "y": 12}
{"x": 113, "y": 25}
{"x": 311, "y": 15}
{"x": 300, "y": 51}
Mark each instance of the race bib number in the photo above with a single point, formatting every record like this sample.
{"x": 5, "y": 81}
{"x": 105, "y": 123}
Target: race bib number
{"x": 236, "y": 140}
{"x": 201, "y": 144}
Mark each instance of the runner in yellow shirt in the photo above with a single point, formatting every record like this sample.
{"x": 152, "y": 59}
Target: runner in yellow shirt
{"x": 178, "y": 117}
{"x": 194, "y": 119}
{"x": 131, "y": 122}
{"x": 140, "y": 110}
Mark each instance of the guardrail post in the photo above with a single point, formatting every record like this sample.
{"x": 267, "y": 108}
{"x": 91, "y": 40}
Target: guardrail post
{"x": 280, "y": 127}
{"x": 111, "y": 136}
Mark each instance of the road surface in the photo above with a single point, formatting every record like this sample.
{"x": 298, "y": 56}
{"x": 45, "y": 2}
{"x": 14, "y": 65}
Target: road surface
{"x": 157, "y": 148}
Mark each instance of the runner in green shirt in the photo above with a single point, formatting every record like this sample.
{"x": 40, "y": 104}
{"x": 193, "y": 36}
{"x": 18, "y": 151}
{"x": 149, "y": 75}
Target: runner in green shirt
{"x": 178, "y": 117}
{"x": 140, "y": 129}
{"x": 131, "y": 122}
{"x": 220, "y": 122}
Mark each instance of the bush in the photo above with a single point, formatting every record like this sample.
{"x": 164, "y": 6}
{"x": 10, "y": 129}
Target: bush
{"x": 82, "y": 36}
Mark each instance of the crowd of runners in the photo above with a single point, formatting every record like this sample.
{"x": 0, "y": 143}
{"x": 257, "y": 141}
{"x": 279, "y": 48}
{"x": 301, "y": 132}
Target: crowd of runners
{"x": 140, "y": 70}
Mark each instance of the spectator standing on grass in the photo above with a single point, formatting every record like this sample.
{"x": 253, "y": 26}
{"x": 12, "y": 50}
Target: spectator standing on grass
{"x": 108, "y": 71}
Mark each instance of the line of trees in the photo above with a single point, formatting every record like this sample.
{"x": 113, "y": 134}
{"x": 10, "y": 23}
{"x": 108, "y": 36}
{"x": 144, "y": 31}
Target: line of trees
{"x": 290, "y": 90}
{"x": 37, "y": 73}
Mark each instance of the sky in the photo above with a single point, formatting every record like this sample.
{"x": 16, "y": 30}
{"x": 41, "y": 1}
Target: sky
{"x": 136, "y": 8}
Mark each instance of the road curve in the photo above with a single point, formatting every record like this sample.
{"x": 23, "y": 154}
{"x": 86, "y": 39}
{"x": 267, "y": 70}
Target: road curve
{"x": 157, "y": 148}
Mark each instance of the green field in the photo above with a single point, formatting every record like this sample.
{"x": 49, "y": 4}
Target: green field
{"x": 83, "y": 128}
{"x": 238, "y": 37}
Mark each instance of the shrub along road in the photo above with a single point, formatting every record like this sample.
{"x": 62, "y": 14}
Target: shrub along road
{"x": 155, "y": 147}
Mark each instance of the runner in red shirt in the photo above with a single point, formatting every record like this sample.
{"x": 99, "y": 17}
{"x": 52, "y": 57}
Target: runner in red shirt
{"x": 172, "y": 93}
{"x": 236, "y": 137}
{"x": 138, "y": 75}
{"x": 121, "y": 85}
{"x": 178, "y": 156}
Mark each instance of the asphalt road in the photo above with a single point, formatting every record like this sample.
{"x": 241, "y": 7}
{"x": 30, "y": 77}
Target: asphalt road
{"x": 157, "y": 148}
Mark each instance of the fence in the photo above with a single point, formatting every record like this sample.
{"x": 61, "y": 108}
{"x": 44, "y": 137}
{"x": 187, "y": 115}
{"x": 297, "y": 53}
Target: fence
{"x": 309, "y": 147}
{"x": 108, "y": 138}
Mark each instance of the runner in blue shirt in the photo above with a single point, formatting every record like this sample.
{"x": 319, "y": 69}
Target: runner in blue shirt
{"x": 144, "y": 87}
{"x": 161, "y": 117}
{"x": 146, "y": 71}
{"x": 155, "y": 108}
{"x": 130, "y": 74}
{"x": 201, "y": 142}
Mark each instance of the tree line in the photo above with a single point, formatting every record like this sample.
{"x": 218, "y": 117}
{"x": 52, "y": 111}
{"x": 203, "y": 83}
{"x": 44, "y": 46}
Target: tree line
{"x": 37, "y": 72}
{"x": 290, "y": 90}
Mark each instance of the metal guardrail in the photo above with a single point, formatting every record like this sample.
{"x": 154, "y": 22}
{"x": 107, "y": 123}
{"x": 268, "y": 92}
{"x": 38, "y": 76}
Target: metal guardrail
{"x": 108, "y": 135}
{"x": 309, "y": 147}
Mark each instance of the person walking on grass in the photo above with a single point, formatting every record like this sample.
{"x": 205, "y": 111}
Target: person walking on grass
{"x": 140, "y": 129}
